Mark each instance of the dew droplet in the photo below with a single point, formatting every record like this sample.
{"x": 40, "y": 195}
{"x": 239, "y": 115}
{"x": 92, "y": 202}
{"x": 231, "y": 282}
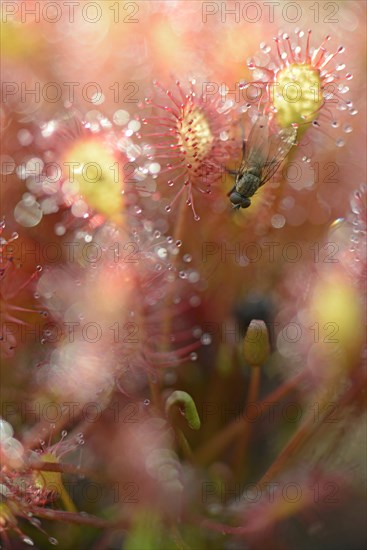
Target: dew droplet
{"x": 121, "y": 117}
{"x": 134, "y": 125}
{"x": 146, "y": 402}
{"x": 53, "y": 541}
{"x": 60, "y": 229}
{"x": 278, "y": 221}
{"x": 6, "y": 430}
{"x": 194, "y": 277}
{"x": 206, "y": 339}
{"x": 355, "y": 206}
{"x": 168, "y": 208}
{"x": 28, "y": 540}
{"x": 162, "y": 253}
{"x": 187, "y": 258}
{"x": 354, "y": 239}
{"x": 197, "y": 332}
{"x": 347, "y": 129}
{"x": 193, "y": 356}
{"x": 28, "y": 215}
{"x": 194, "y": 301}
{"x": 340, "y": 142}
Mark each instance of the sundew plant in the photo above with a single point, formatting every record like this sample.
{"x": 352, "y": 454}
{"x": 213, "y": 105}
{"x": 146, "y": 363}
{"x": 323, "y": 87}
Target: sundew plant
{"x": 183, "y": 275}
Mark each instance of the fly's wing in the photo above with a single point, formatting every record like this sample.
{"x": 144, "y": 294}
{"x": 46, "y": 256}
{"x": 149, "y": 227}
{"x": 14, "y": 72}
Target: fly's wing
{"x": 257, "y": 144}
{"x": 280, "y": 144}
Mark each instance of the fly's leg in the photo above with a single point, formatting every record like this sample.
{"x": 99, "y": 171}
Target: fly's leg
{"x": 243, "y": 138}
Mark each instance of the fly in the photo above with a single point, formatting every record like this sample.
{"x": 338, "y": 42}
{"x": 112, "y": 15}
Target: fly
{"x": 262, "y": 155}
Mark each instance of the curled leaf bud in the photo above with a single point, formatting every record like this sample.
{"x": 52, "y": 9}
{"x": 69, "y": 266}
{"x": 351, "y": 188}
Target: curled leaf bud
{"x": 191, "y": 414}
{"x": 256, "y": 347}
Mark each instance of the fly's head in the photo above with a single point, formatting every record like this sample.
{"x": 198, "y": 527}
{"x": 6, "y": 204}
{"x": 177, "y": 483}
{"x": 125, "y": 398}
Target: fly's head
{"x": 238, "y": 200}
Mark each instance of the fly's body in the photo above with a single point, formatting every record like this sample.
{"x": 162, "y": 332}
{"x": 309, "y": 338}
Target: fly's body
{"x": 248, "y": 182}
{"x": 262, "y": 156}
